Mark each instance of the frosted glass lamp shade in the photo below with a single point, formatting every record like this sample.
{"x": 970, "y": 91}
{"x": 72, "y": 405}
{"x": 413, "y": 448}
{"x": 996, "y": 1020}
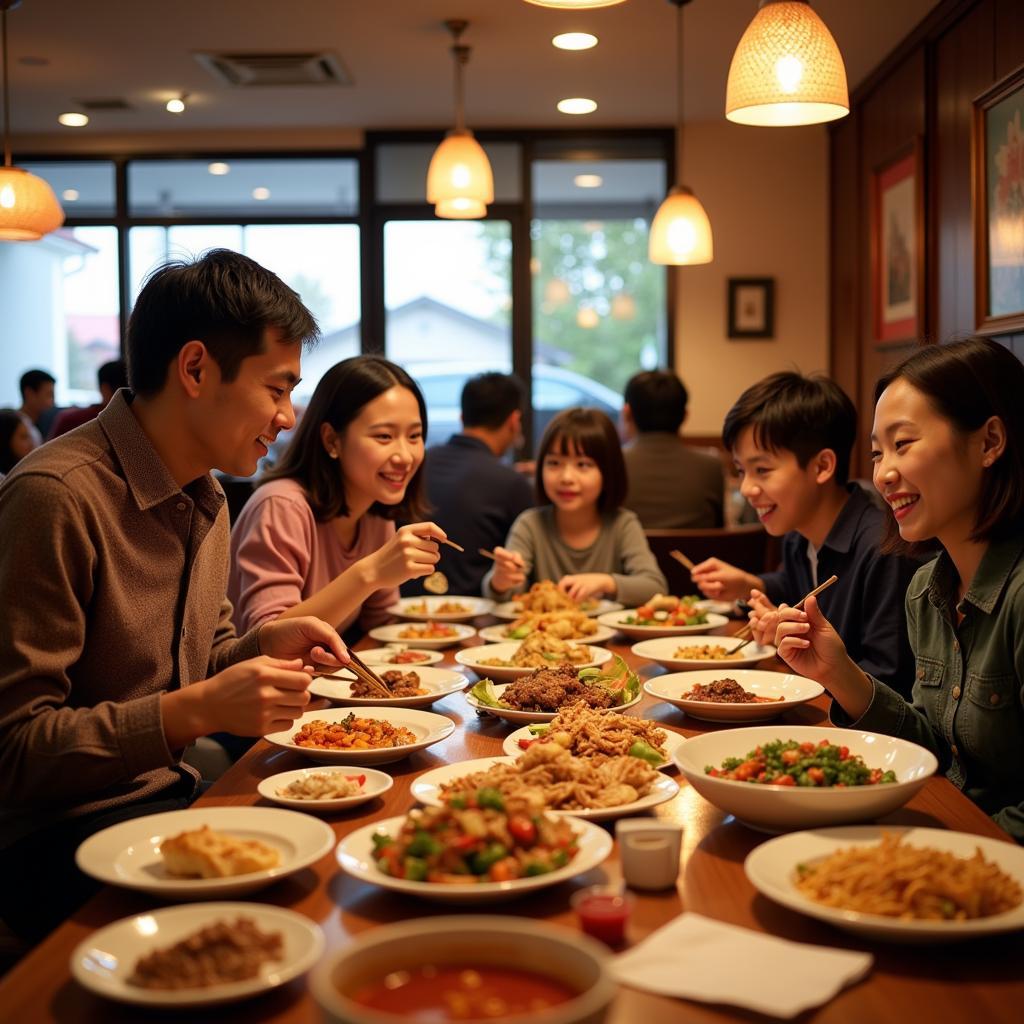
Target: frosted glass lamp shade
{"x": 28, "y": 207}
{"x": 459, "y": 169}
{"x": 574, "y": 5}
{"x": 787, "y": 70}
{"x": 460, "y": 208}
{"x": 680, "y": 231}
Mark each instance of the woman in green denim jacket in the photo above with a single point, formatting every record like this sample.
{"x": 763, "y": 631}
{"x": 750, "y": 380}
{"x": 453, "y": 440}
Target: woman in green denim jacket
{"x": 948, "y": 449}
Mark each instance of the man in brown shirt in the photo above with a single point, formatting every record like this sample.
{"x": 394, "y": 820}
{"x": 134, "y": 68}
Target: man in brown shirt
{"x": 671, "y": 486}
{"x": 117, "y": 649}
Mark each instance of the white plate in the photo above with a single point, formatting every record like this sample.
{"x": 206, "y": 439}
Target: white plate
{"x": 663, "y": 651}
{"x": 793, "y": 689}
{"x": 513, "y": 715}
{"x": 673, "y": 740}
{"x": 771, "y": 868}
{"x": 355, "y": 855}
{"x": 427, "y": 789}
{"x": 439, "y": 682}
{"x": 509, "y": 610}
{"x": 128, "y": 854}
{"x": 412, "y": 608}
{"x": 386, "y": 656}
{"x": 718, "y": 607}
{"x": 499, "y": 635}
{"x": 376, "y": 784}
{"x": 392, "y": 634}
{"x": 785, "y": 808}
{"x": 105, "y": 960}
{"x": 472, "y": 657}
{"x": 613, "y": 620}
{"x": 425, "y": 725}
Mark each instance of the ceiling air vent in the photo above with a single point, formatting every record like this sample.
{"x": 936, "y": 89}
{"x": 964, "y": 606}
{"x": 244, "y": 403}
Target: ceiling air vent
{"x": 252, "y": 69}
{"x": 103, "y": 104}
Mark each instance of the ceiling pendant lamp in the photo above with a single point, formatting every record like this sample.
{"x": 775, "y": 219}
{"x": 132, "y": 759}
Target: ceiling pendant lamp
{"x": 680, "y": 231}
{"x": 459, "y": 180}
{"x": 28, "y": 207}
{"x": 574, "y": 5}
{"x": 787, "y": 69}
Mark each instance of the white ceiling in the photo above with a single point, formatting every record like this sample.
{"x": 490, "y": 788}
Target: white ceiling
{"x": 397, "y": 54}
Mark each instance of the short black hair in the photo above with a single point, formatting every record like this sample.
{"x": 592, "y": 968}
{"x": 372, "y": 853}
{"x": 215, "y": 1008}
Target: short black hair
{"x": 338, "y": 399}
{"x": 223, "y": 299}
{"x": 657, "y": 401}
{"x": 114, "y": 374}
{"x": 9, "y": 423}
{"x": 803, "y": 415}
{"x": 33, "y": 380}
{"x": 966, "y": 382}
{"x": 591, "y": 433}
{"x": 488, "y": 399}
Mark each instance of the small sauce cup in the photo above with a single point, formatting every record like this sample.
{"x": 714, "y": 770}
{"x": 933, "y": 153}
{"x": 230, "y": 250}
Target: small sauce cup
{"x": 604, "y": 912}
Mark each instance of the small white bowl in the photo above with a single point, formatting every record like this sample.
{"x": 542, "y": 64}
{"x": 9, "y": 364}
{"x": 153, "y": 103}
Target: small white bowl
{"x": 376, "y": 784}
{"x": 469, "y": 940}
{"x": 670, "y": 652}
{"x": 793, "y": 689}
{"x": 783, "y": 808}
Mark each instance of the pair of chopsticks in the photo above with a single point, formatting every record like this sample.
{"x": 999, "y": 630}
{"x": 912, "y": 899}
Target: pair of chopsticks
{"x": 748, "y": 629}
{"x": 357, "y": 666}
{"x": 683, "y": 560}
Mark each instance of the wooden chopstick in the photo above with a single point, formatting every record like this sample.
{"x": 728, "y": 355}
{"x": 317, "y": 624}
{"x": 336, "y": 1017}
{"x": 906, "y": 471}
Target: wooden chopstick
{"x": 487, "y": 554}
{"x": 680, "y": 557}
{"x": 367, "y": 674}
{"x": 452, "y": 544}
{"x": 798, "y": 606}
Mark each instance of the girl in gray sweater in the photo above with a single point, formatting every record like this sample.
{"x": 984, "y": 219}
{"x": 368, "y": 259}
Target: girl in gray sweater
{"x": 579, "y": 536}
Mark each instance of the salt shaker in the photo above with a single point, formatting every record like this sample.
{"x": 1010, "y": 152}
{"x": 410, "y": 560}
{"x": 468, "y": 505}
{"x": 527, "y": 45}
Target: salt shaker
{"x": 649, "y": 852}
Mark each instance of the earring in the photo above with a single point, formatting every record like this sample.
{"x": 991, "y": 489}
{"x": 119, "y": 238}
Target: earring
{"x": 333, "y": 454}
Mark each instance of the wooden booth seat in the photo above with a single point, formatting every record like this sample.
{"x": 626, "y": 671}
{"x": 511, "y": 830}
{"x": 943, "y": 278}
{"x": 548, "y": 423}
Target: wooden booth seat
{"x": 747, "y": 547}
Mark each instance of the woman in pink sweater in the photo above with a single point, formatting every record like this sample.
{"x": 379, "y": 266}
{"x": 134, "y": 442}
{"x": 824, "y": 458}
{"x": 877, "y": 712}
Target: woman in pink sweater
{"x": 318, "y": 535}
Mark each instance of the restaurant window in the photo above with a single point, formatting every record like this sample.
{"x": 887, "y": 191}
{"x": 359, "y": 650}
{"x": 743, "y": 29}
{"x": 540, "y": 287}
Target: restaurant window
{"x": 448, "y": 308}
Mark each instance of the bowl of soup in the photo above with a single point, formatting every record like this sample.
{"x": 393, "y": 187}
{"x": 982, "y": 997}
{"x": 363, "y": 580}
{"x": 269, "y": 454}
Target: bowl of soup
{"x": 468, "y": 968}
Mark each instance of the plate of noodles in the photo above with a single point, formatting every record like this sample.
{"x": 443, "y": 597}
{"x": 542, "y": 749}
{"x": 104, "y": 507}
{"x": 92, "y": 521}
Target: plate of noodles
{"x": 599, "y": 790}
{"x": 682, "y": 652}
{"x": 895, "y": 884}
{"x": 569, "y": 626}
{"x": 590, "y": 733}
{"x": 727, "y": 694}
{"x": 510, "y": 610}
{"x": 449, "y": 608}
{"x": 414, "y": 686}
{"x": 505, "y": 662}
{"x": 363, "y": 735}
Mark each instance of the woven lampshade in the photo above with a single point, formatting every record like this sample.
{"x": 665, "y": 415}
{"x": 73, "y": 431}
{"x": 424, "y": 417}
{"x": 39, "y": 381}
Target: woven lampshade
{"x": 787, "y": 69}
{"x": 459, "y": 169}
{"x": 28, "y": 207}
{"x": 460, "y": 208}
{"x": 574, "y": 5}
{"x": 680, "y": 231}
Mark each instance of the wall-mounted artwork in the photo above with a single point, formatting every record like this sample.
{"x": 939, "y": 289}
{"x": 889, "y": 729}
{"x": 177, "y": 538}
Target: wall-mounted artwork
{"x": 751, "y": 307}
{"x": 999, "y": 207}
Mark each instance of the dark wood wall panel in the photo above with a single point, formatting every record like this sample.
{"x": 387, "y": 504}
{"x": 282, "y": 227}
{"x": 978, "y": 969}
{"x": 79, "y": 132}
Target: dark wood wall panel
{"x": 1009, "y": 36}
{"x": 963, "y": 68}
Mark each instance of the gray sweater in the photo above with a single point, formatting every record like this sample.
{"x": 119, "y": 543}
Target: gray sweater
{"x": 621, "y": 549}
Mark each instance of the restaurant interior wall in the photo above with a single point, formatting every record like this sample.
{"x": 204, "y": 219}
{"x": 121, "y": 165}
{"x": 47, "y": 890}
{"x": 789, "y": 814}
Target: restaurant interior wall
{"x": 923, "y": 92}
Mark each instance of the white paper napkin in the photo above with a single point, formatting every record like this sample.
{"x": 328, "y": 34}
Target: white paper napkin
{"x": 694, "y": 957}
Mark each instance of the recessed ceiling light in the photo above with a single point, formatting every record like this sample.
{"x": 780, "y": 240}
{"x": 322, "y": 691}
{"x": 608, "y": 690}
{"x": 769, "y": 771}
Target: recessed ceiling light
{"x": 69, "y": 195}
{"x": 588, "y": 181}
{"x": 574, "y": 41}
{"x": 175, "y": 106}
{"x": 74, "y": 120}
{"x": 577, "y": 105}
{"x": 261, "y": 193}
{"x": 219, "y": 167}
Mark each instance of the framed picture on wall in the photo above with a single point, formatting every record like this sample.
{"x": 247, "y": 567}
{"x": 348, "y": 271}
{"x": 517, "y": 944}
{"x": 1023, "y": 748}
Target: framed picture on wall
{"x": 998, "y": 152}
{"x": 897, "y": 247}
{"x": 751, "y": 307}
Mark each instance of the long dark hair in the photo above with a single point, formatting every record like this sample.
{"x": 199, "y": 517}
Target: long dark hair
{"x": 966, "y": 382}
{"x": 591, "y": 433}
{"x": 340, "y": 396}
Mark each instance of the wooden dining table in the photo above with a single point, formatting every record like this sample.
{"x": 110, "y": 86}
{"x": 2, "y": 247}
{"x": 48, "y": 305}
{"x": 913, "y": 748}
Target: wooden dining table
{"x": 980, "y": 980}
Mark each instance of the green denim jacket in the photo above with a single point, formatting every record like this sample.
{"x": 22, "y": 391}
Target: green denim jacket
{"x": 968, "y": 694}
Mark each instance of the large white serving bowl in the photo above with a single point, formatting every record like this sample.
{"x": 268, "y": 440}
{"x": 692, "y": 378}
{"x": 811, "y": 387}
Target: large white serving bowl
{"x": 469, "y": 940}
{"x": 511, "y": 610}
{"x": 670, "y": 652}
{"x": 428, "y": 787}
{"x": 793, "y": 690}
{"x": 515, "y": 715}
{"x": 782, "y": 808}
{"x": 128, "y": 854}
{"x": 394, "y": 634}
{"x": 499, "y": 635}
{"x": 772, "y": 868}
{"x": 427, "y": 727}
{"x": 614, "y": 621}
{"x": 425, "y": 609}
{"x": 105, "y": 960}
{"x": 355, "y": 855}
{"x": 438, "y": 682}
{"x": 474, "y": 658}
